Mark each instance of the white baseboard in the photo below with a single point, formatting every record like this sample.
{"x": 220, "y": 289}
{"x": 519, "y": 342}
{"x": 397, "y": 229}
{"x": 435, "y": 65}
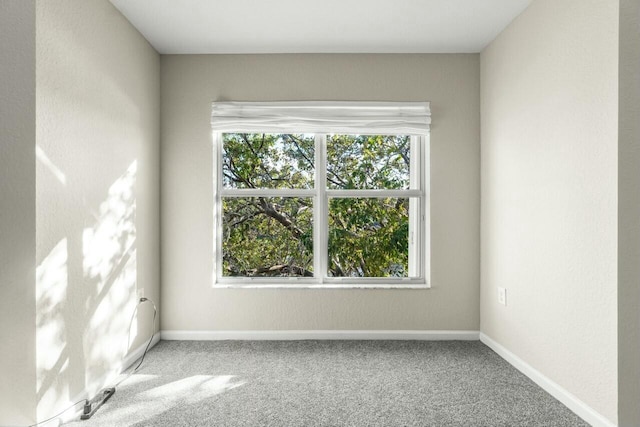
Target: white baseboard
{"x": 286, "y": 335}
{"x": 580, "y": 408}
{"x": 106, "y": 381}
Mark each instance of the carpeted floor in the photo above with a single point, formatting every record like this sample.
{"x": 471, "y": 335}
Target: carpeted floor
{"x": 328, "y": 383}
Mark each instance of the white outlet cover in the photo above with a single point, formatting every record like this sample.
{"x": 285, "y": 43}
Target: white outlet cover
{"x": 502, "y": 296}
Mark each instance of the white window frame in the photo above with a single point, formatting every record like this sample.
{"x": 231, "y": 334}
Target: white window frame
{"x": 419, "y": 226}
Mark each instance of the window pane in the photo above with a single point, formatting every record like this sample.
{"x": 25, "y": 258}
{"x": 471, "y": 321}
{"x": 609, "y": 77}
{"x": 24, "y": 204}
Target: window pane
{"x": 368, "y": 237}
{"x": 263, "y": 160}
{"x": 267, "y": 236}
{"x": 368, "y": 161}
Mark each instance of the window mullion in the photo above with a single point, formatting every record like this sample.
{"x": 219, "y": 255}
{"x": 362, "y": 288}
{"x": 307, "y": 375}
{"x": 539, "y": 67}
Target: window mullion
{"x": 380, "y": 193}
{"x": 320, "y": 250}
{"x": 267, "y": 192}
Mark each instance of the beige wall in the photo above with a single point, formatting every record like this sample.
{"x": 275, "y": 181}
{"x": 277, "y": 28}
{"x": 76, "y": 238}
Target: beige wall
{"x": 97, "y": 168}
{"x": 549, "y": 194}
{"x": 17, "y": 211}
{"x": 629, "y": 216}
{"x": 191, "y": 82}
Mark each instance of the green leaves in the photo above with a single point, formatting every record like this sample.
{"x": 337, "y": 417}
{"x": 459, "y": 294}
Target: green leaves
{"x": 273, "y": 236}
{"x": 368, "y": 161}
{"x": 258, "y": 233}
{"x": 368, "y": 237}
{"x": 267, "y": 161}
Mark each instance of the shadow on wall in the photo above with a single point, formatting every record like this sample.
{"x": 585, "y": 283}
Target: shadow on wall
{"x": 87, "y": 279}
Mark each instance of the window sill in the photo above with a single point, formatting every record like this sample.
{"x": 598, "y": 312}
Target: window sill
{"x": 319, "y": 286}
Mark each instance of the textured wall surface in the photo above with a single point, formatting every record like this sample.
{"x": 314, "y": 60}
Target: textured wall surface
{"x": 629, "y": 216}
{"x": 191, "y": 82}
{"x": 549, "y": 194}
{"x": 17, "y": 211}
{"x": 97, "y": 167}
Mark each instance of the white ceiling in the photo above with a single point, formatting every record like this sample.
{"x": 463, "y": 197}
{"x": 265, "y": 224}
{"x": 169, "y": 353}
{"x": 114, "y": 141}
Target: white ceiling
{"x": 320, "y": 26}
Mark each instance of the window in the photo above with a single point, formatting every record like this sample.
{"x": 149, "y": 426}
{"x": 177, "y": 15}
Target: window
{"x": 294, "y": 207}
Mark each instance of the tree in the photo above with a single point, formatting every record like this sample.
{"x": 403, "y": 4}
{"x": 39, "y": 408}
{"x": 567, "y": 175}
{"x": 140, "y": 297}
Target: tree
{"x": 273, "y": 236}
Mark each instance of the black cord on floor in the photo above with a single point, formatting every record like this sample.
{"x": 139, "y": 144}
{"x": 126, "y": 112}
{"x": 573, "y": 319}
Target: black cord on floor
{"x": 153, "y": 334}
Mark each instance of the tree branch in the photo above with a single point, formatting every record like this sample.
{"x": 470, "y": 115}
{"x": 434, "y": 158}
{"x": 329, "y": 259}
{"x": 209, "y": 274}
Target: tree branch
{"x": 342, "y": 183}
{"x": 262, "y": 166}
{"x": 363, "y": 266}
{"x": 244, "y": 219}
{"x": 337, "y": 271}
{"x": 295, "y": 142}
{"x": 270, "y": 211}
{"x": 232, "y": 167}
{"x": 278, "y": 269}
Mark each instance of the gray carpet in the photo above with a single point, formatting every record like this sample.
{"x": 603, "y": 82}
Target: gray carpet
{"x": 328, "y": 383}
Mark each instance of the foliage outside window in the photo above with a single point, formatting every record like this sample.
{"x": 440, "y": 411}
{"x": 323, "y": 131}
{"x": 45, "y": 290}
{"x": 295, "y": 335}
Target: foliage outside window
{"x": 320, "y": 208}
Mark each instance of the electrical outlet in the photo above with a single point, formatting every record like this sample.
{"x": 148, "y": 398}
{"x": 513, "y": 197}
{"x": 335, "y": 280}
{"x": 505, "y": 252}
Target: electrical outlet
{"x": 140, "y": 293}
{"x": 502, "y": 296}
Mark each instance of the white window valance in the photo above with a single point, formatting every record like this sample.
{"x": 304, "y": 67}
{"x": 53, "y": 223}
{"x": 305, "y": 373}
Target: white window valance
{"x": 325, "y": 116}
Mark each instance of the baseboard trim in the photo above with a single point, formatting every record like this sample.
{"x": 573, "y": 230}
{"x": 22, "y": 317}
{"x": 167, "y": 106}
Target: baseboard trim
{"x": 286, "y": 335}
{"x": 580, "y": 408}
{"x": 106, "y": 381}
